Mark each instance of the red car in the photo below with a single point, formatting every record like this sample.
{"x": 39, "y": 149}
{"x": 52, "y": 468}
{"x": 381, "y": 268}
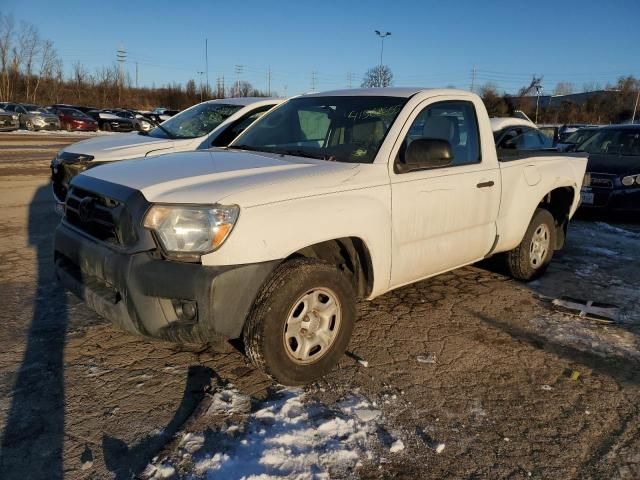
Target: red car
{"x": 72, "y": 119}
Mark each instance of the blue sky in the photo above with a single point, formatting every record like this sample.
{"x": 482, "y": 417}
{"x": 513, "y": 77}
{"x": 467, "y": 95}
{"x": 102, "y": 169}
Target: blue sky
{"x": 433, "y": 43}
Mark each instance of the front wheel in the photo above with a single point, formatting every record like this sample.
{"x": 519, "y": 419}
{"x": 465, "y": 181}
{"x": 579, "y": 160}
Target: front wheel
{"x": 301, "y": 322}
{"x": 531, "y": 258}
{"x": 106, "y": 126}
{"x": 29, "y": 125}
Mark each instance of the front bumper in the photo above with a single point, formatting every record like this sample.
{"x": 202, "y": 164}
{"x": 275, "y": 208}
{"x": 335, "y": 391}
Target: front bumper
{"x": 626, "y": 199}
{"x": 9, "y": 124}
{"x": 142, "y": 293}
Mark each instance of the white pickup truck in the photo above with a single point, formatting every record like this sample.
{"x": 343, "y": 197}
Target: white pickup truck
{"x": 327, "y": 198}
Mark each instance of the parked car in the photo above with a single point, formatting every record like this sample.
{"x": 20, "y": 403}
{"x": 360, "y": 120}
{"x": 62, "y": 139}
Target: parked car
{"x": 326, "y": 198}
{"x": 613, "y": 171}
{"x": 578, "y": 137}
{"x": 569, "y": 128}
{"x": 9, "y": 121}
{"x": 33, "y": 117}
{"x": 72, "y": 119}
{"x": 210, "y": 124}
{"x": 110, "y": 122}
{"x": 140, "y": 123}
{"x": 518, "y": 134}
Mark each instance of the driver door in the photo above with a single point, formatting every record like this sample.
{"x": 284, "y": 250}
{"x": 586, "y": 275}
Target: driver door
{"x": 443, "y": 217}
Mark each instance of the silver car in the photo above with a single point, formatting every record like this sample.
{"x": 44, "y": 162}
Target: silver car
{"x": 33, "y": 117}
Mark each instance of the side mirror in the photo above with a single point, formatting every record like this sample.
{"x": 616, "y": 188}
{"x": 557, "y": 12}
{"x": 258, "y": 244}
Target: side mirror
{"x": 425, "y": 153}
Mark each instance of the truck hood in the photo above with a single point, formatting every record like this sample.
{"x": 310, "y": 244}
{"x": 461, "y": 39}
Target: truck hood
{"x": 245, "y": 178}
{"x": 119, "y": 147}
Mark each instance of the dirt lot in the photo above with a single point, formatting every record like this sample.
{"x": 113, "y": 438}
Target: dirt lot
{"x": 470, "y": 374}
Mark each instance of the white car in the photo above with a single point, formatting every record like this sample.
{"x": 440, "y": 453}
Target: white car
{"x": 209, "y": 124}
{"x": 518, "y": 134}
{"x": 328, "y": 198}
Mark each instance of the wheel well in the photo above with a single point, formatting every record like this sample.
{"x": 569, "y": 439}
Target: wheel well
{"x": 558, "y": 202}
{"x": 350, "y": 254}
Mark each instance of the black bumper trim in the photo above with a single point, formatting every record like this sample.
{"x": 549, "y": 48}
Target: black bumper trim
{"x": 135, "y": 290}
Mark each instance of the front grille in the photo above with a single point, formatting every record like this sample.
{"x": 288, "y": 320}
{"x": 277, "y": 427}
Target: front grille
{"x": 94, "y": 214}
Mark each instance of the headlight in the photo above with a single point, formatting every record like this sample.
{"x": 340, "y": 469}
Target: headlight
{"x": 38, "y": 120}
{"x": 629, "y": 180}
{"x": 15, "y": 117}
{"x": 191, "y": 230}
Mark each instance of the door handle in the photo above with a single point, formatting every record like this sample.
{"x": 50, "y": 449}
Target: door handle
{"x": 485, "y": 184}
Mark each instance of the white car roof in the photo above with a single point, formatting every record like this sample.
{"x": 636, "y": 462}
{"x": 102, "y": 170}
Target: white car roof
{"x": 498, "y": 123}
{"x": 244, "y": 101}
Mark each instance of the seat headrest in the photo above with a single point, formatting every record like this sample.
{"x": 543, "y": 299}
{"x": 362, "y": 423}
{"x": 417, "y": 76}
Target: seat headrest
{"x": 442, "y": 127}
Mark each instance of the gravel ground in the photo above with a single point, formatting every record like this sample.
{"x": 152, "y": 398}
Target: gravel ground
{"x": 469, "y": 374}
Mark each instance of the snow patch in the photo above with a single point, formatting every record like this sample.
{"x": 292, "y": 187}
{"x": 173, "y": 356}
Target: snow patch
{"x": 286, "y": 437}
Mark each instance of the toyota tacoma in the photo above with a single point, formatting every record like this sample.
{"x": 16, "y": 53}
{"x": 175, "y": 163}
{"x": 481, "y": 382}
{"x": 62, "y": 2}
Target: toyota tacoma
{"x": 328, "y": 198}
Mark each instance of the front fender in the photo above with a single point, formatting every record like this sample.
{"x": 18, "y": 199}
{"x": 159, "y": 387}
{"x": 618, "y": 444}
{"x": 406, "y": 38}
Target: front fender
{"x": 277, "y": 230}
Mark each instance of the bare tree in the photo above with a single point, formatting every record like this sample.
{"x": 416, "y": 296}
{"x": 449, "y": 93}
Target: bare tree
{"x": 78, "y": 80}
{"x": 7, "y": 26}
{"x": 28, "y": 49}
{"x": 563, "y": 88}
{"x": 48, "y": 57}
{"x": 379, "y": 76}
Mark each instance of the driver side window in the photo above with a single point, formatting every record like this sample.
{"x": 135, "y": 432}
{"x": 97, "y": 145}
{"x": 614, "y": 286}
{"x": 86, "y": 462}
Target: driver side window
{"x": 454, "y": 122}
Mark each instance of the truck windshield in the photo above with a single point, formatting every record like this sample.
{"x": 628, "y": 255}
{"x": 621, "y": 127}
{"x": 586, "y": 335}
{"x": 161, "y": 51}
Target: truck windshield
{"x": 195, "y": 122}
{"x": 340, "y": 128}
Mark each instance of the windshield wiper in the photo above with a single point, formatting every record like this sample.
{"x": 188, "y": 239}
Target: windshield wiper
{"x": 249, "y": 148}
{"x": 167, "y": 132}
{"x": 299, "y": 153}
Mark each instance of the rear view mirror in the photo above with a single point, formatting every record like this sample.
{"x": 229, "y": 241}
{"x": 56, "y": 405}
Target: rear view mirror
{"x": 425, "y": 153}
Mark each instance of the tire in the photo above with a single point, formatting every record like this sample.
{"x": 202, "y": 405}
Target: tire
{"x": 67, "y": 127}
{"x": 531, "y": 258}
{"x": 29, "y": 125}
{"x": 296, "y": 296}
{"x": 106, "y": 126}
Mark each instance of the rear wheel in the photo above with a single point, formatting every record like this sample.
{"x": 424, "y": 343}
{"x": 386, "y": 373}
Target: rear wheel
{"x": 301, "y": 322}
{"x": 29, "y": 125}
{"x": 531, "y": 258}
{"x": 67, "y": 127}
{"x": 106, "y": 127}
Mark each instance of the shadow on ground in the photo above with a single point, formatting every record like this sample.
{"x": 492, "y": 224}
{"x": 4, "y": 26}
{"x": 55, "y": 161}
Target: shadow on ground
{"x": 33, "y": 436}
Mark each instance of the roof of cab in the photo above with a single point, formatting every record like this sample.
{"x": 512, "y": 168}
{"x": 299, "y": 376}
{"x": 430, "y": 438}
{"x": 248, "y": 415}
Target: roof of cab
{"x": 405, "y": 92}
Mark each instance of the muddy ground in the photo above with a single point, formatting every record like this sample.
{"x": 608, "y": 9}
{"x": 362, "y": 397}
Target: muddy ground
{"x": 512, "y": 387}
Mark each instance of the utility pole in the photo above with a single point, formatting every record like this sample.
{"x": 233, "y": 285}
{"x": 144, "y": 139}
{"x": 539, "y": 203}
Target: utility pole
{"x": 382, "y": 37}
{"x": 238, "y": 69}
{"x": 136, "y": 74}
{"x": 201, "y": 86}
{"x": 635, "y": 108}
{"x": 269, "y": 81}
{"x": 121, "y": 56}
{"x": 349, "y": 79}
{"x": 206, "y": 61}
{"x": 473, "y": 78}
{"x": 313, "y": 81}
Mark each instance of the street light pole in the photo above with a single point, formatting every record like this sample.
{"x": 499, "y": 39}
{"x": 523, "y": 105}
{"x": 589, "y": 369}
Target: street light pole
{"x": 538, "y": 90}
{"x": 382, "y": 37}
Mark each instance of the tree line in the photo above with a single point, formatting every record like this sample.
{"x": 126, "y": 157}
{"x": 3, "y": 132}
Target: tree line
{"x": 596, "y": 104}
{"x": 31, "y": 71}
